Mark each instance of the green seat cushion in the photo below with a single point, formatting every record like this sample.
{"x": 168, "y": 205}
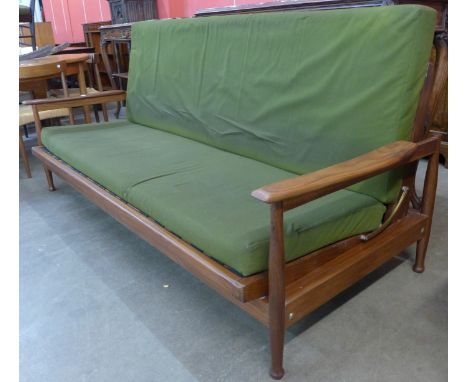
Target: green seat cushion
{"x": 202, "y": 193}
{"x": 297, "y": 90}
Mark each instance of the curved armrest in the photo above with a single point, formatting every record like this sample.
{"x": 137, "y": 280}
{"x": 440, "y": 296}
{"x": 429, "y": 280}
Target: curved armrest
{"x": 305, "y": 188}
{"x": 77, "y": 101}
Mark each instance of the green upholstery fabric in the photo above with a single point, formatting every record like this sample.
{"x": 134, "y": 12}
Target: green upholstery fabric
{"x": 202, "y": 193}
{"x": 297, "y": 90}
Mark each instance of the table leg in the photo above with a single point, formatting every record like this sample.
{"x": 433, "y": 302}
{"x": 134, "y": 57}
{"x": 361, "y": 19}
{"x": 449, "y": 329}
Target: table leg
{"x": 105, "y": 60}
{"x": 83, "y": 90}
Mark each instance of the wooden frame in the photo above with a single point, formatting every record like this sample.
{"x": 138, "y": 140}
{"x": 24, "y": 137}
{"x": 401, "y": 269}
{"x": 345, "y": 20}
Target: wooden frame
{"x": 286, "y": 293}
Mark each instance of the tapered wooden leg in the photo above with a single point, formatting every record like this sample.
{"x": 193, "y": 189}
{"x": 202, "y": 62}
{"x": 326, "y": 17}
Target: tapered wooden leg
{"x": 24, "y": 155}
{"x": 276, "y": 292}
{"x": 104, "y": 112}
{"x": 96, "y": 113}
{"x": 427, "y": 208}
{"x": 50, "y": 179}
{"x": 117, "y": 111}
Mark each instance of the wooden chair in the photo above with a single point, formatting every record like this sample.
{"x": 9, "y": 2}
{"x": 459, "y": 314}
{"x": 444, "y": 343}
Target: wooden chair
{"x": 90, "y": 88}
{"x": 26, "y": 112}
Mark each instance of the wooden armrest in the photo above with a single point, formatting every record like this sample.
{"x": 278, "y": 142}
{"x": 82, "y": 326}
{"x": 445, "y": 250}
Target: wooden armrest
{"x": 77, "y": 101}
{"x": 305, "y": 188}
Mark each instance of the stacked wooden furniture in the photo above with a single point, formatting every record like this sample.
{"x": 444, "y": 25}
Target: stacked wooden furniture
{"x": 93, "y": 40}
{"x": 27, "y": 31}
{"x": 118, "y": 38}
{"x": 117, "y": 34}
{"x": 127, "y": 11}
{"x": 26, "y": 113}
{"x": 263, "y": 154}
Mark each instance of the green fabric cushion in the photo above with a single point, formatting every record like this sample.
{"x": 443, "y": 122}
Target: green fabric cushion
{"x": 202, "y": 193}
{"x": 297, "y": 90}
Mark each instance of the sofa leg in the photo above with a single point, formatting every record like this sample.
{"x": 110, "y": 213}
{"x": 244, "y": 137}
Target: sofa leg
{"x": 276, "y": 292}
{"x": 277, "y": 347}
{"x": 24, "y": 155}
{"x": 427, "y": 208}
{"x": 50, "y": 179}
{"x": 421, "y": 249}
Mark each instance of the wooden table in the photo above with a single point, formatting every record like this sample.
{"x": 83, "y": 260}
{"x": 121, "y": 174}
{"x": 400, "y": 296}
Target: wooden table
{"x": 93, "y": 39}
{"x": 33, "y": 76}
{"x": 117, "y": 34}
{"x": 37, "y": 84}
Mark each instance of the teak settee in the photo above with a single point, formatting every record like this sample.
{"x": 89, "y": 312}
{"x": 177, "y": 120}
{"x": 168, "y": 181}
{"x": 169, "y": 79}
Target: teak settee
{"x": 271, "y": 155}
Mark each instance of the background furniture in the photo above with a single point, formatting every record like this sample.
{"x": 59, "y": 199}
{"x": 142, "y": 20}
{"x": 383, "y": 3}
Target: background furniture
{"x": 93, "y": 86}
{"x": 44, "y": 34}
{"x": 93, "y": 40}
{"x": 26, "y": 25}
{"x": 26, "y": 114}
{"x": 115, "y": 38}
{"x": 32, "y": 77}
{"x": 128, "y": 11}
{"x": 119, "y": 36}
{"x": 75, "y": 50}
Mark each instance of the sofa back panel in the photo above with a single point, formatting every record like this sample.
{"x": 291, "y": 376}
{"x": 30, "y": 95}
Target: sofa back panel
{"x": 297, "y": 90}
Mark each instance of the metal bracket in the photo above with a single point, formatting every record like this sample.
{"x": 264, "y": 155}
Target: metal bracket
{"x": 386, "y": 223}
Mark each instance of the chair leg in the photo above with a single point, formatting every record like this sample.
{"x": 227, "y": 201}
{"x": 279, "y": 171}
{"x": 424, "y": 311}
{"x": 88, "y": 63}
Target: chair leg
{"x": 104, "y": 112}
{"x": 427, "y": 208}
{"x": 117, "y": 111}
{"x": 96, "y": 113}
{"x": 276, "y": 292}
{"x": 50, "y": 179}
{"x": 24, "y": 155}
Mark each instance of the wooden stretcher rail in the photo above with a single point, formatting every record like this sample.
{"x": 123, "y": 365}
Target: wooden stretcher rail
{"x": 205, "y": 268}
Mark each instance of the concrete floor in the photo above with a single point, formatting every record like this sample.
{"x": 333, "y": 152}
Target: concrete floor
{"x": 93, "y": 307}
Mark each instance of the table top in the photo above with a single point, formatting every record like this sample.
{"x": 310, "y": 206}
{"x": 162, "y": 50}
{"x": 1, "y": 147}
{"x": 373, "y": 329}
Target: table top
{"x": 29, "y": 67}
{"x": 68, "y": 58}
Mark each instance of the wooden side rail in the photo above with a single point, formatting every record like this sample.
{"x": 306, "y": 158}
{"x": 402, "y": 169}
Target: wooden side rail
{"x": 206, "y": 269}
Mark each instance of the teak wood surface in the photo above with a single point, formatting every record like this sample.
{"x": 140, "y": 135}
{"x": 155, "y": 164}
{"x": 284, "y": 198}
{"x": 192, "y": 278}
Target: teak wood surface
{"x": 34, "y": 70}
{"x": 285, "y": 293}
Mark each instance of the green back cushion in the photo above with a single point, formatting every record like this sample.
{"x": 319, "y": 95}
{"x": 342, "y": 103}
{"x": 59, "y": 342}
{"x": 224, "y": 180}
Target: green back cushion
{"x": 296, "y": 90}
